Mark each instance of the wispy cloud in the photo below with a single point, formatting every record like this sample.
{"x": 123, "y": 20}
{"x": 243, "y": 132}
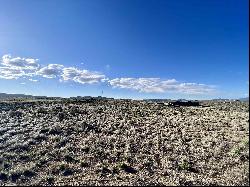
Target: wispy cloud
{"x": 107, "y": 67}
{"x": 20, "y": 63}
{"x": 33, "y": 80}
{"x": 15, "y": 68}
{"x": 11, "y": 73}
{"x": 81, "y": 76}
{"x": 157, "y": 85}
{"x": 50, "y": 71}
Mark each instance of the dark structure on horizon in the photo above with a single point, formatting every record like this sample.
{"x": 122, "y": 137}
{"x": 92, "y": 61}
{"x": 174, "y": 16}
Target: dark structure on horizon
{"x": 184, "y": 103}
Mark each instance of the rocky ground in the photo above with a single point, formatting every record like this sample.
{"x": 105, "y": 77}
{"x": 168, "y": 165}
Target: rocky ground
{"x": 123, "y": 143}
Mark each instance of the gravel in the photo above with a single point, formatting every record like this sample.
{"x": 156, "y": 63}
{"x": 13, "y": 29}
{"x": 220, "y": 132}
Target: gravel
{"x": 123, "y": 142}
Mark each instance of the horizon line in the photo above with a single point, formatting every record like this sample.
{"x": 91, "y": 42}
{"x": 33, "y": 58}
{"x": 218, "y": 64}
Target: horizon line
{"x": 219, "y": 98}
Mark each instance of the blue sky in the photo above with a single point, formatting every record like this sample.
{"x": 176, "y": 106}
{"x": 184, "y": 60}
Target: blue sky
{"x": 127, "y": 48}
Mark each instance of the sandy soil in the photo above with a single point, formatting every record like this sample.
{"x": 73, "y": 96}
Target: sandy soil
{"x": 123, "y": 143}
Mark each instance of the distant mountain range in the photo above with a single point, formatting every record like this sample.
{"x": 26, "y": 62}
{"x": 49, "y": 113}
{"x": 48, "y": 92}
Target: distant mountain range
{"x": 6, "y": 96}
{"x": 13, "y": 96}
{"x": 240, "y": 99}
{"x": 244, "y": 99}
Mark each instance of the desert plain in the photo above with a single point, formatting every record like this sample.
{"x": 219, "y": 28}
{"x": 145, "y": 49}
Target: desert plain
{"x": 123, "y": 142}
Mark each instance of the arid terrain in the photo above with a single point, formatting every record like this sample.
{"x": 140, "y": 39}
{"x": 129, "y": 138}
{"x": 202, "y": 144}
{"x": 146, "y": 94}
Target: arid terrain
{"x": 120, "y": 142}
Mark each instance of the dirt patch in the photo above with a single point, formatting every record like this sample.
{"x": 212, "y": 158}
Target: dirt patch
{"x": 120, "y": 142}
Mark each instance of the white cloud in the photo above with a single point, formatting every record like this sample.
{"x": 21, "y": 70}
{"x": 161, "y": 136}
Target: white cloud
{"x": 104, "y": 79}
{"x": 50, "y": 71}
{"x": 14, "y": 68}
{"x": 33, "y": 80}
{"x": 70, "y": 74}
{"x": 8, "y": 73}
{"x": 107, "y": 67}
{"x": 20, "y": 63}
{"x": 156, "y": 85}
{"x": 81, "y": 76}
{"x": 195, "y": 88}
